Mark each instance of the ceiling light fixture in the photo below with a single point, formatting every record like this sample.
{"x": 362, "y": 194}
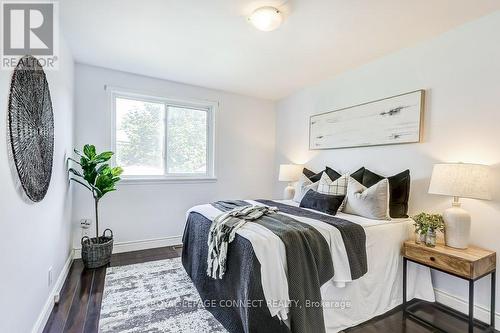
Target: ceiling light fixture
{"x": 266, "y": 18}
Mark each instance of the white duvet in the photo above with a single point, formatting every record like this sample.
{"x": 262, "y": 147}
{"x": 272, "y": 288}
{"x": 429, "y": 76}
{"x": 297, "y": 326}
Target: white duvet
{"x": 345, "y": 302}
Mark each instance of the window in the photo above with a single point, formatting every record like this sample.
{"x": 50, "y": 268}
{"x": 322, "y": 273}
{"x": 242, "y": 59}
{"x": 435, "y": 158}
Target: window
{"x": 159, "y": 138}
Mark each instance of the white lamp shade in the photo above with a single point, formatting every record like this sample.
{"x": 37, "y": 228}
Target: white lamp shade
{"x": 461, "y": 180}
{"x": 289, "y": 172}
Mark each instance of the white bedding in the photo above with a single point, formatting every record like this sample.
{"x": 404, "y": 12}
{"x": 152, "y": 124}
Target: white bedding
{"x": 345, "y": 302}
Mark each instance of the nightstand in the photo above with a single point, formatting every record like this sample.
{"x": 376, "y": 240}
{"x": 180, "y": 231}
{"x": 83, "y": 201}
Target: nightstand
{"x": 470, "y": 264}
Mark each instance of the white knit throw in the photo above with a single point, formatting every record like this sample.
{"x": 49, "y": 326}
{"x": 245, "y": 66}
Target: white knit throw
{"x": 222, "y": 232}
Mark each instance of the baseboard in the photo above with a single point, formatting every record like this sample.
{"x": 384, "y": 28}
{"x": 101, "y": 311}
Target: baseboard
{"x": 121, "y": 247}
{"x": 49, "y": 304}
{"x": 480, "y": 312}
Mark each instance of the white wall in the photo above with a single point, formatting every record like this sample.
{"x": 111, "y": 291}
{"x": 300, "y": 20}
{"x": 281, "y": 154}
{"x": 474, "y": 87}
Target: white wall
{"x": 245, "y": 135}
{"x": 460, "y": 71}
{"x": 35, "y": 236}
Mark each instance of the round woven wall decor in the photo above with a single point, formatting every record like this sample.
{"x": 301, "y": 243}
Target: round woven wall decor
{"x": 31, "y": 127}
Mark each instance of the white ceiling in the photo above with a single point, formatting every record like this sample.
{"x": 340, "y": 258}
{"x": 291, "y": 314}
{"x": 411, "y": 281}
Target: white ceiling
{"x": 210, "y": 43}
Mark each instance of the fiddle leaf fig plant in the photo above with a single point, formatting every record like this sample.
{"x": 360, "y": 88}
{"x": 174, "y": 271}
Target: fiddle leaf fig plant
{"x": 96, "y": 174}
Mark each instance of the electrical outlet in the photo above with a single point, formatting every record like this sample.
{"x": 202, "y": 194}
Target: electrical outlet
{"x": 49, "y": 280}
{"x": 85, "y": 223}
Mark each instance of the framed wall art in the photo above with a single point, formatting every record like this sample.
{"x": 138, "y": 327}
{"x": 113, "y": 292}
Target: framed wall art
{"x": 393, "y": 120}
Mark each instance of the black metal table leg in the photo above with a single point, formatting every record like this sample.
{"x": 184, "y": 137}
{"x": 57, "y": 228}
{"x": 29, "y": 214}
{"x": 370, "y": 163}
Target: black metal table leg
{"x": 405, "y": 263}
{"x": 471, "y": 306}
{"x": 483, "y": 327}
{"x": 492, "y": 304}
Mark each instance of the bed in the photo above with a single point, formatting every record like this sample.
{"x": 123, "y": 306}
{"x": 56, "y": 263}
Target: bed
{"x": 249, "y": 296}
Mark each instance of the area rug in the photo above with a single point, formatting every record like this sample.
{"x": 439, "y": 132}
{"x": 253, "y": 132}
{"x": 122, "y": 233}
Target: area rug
{"x": 155, "y": 296}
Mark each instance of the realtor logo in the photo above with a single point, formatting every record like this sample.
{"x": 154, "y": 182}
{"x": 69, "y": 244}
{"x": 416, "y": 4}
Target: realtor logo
{"x": 29, "y": 28}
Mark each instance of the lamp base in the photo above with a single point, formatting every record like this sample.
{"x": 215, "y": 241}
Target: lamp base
{"x": 457, "y": 226}
{"x": 289, "y": 192}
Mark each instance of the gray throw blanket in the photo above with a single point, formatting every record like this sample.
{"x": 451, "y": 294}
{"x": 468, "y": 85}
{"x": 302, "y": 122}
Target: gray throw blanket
{"x": 309, "y": 265}
{"x": 222, "y": 232}
{"x": 353, "y": 234}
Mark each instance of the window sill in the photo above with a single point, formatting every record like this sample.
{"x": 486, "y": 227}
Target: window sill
{"x": 166, "y": 180}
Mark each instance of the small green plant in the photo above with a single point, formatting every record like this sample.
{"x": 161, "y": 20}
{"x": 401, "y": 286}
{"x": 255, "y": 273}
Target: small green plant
{"x": 428, "y": 222}
{"x": 96, "y": 175}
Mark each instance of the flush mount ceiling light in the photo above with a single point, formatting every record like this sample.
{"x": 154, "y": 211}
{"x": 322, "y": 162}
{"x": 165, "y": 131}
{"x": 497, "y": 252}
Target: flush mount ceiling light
{"x": 266, "y": 18}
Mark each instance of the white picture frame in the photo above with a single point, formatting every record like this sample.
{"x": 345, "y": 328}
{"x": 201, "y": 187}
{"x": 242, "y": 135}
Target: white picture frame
{"x": 392, "y": 120}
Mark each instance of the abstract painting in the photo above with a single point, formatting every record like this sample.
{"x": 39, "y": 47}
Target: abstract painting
{"x": 391, "y": 120}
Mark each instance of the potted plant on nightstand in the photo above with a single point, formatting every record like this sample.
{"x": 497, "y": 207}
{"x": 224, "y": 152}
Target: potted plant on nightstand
{"x": 420, "y": 228}
{"x": 99, "y": 178}
{"x": 426, "y": 226}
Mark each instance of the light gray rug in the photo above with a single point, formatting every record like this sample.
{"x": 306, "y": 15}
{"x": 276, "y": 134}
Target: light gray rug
{"x": 156, "y": 296}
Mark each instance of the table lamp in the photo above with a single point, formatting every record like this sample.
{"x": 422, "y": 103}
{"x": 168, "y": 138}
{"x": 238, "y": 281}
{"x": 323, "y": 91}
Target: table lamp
{"x": 289, "y": 173}
{"x": 459, "y": 180}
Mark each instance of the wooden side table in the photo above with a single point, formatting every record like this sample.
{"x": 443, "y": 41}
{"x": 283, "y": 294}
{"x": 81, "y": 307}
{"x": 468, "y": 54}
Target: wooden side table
{"x": 470, "y": 264}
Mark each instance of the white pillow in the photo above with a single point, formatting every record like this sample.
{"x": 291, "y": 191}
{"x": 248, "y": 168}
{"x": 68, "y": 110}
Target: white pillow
{"x": 302, "y": 186}
{"x": 371, "y": 202}
{"x": 333, "y": 187}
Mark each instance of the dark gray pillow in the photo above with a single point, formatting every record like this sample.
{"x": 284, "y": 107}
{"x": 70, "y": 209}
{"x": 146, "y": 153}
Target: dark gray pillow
{"x": 325, "y": 203}
{"x": 314, "y": 177}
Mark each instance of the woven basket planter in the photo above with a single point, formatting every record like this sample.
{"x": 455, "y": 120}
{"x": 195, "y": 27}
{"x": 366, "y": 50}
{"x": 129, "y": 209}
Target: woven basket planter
{"x": 96, "y": 251}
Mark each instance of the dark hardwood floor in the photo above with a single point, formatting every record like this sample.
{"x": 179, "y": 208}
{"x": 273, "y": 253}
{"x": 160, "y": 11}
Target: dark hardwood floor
{"x": 393, "y": 322}
{"x": 80, "y": 301}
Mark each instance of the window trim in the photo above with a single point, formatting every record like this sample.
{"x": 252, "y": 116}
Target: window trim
{"x": 210, "y": 106}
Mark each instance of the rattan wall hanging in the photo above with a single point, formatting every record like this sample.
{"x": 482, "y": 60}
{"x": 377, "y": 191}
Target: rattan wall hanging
{"x": 31, "y": 127}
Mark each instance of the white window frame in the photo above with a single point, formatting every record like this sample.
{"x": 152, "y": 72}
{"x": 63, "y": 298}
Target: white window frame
{"x": 210, "y": 106}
